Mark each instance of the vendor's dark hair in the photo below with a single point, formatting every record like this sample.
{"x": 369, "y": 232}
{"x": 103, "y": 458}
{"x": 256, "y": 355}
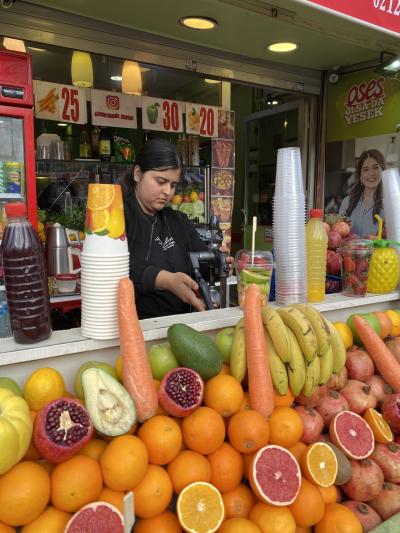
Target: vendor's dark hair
{"x": 358, "y": 189}
{"x": 156, "y": 154}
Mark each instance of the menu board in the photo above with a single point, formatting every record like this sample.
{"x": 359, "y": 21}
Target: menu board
{"x": 162, "y": 115}
{"x": 202, "y": 120}
{"x": 64, "y": 103}
{"x": 114, "y": 109}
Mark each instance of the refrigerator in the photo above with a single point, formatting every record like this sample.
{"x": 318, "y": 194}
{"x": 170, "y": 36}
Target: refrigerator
{"x": 17, "y": 144}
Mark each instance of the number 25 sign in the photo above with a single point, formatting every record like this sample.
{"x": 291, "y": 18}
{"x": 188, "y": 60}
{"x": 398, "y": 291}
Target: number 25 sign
{"x": 63, "y": 103}
{"x": 202, "y": 120}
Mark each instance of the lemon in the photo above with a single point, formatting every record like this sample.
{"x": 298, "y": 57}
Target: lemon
{"x": 116, "y": 223}
{"x": 43, "y": 386}
{"x": 118, "y": 368}
{"x": 194, "y": 196}
{"x": 99, "y": 220}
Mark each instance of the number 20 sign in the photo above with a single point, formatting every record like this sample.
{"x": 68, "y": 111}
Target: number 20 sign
{"x": 202, "y": 120}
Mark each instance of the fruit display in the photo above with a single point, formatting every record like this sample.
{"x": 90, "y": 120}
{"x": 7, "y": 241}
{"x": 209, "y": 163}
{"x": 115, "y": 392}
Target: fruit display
{"x": 253, "y": 268}
{"x": 338, "y": 228}
{"x": 356, "y": 257}
{"x": 277, "y": 424}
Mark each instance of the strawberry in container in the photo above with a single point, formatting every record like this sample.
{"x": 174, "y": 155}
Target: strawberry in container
{"x": 384, "y": 268}
{"x": 355, "y": 261}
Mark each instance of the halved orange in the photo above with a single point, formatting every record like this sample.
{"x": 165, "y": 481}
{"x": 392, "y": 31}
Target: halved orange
{"x": 319, "y": 464}
{"x": 380, "y": 428}
{"x": 200, "y": 508}
{"x": 101, "y": 196}
{"x": 100, "y": 220}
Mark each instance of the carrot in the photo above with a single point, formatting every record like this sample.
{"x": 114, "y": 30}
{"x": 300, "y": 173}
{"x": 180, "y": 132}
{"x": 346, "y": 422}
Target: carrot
{"x": 383, "y": 358}
{"x": 261, "y": 392}
{"x": 137, "y": 377}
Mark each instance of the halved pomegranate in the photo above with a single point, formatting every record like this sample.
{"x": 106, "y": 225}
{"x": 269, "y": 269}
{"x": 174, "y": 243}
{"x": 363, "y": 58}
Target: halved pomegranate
{"x": 181, "y": 391}
{"x": 61, "y": 429}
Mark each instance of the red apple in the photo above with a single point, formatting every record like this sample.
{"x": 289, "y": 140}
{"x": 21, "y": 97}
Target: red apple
{"x": 342, "y": 228}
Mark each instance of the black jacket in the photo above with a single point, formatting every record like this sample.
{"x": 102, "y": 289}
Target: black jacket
{"x": 159, "y": 242}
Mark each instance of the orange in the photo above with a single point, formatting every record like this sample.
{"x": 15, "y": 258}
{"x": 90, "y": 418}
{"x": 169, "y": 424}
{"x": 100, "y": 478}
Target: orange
{"x": 115, "y": 497}
{"x": 187, "y": 467}
{"x": 319, "y": 464}
{"x": 52, "y": 520}
{"x": 380, "y": 428}
{"x": 309, "y": 507}
{"x": 238, "y": 502}
{"x": 247, "y": 458}
{"x": 298, "y": 449}
{"x": 6, "y": 529}
{"x": 225, "y": 370}
{"x": 248, "y": 431}
{"x": 49, "y": 467}
{"x": 338, "y": 517}
{"x": 286, "y": 426}
{"x": 75, "y": 483}
{"x": 153, "y": 493}
{"x": 124, "y": 462}
{"x": 43, "y": 386}
{"x": 166, "y": 522}
{"x": 346, "y": 334}
{"x": 246, "y": 401}
{"x": 304, "y": 530}
{"x": 162, "y": 437}
{"x": 200, "y": 508}
{"x": 238, "y": 525}
{"x": 100, "y": 196}
{"x": 94, "y": 449}
{"x": 272, "y": 519}
{"x": 395, "y": 320}
{"x": 203, "y": 431}
{"x": 329, "y": 494}
{"x": 226, "y": 468}
{"x": 99, "y": 220}
{"x": 24, "y": 493}
{"x": 285, "y": 400}
{"x": 224, "y": 394}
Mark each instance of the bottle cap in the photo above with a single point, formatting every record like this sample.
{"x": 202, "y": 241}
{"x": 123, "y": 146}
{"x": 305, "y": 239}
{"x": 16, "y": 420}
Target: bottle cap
{"x": 316, "y": 213}
{"x": 15, "y": 209}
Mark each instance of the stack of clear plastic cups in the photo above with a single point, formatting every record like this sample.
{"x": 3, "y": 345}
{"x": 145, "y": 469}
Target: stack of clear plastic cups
{"x": 289, "y": 218}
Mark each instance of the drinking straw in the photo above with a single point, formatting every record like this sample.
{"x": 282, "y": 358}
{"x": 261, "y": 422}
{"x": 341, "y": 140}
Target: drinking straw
{"x": 253, "y": 239}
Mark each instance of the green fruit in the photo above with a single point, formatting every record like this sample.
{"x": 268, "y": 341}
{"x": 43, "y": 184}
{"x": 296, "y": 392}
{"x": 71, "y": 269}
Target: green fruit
{"x": 195, "y": 350}
{"x": 162, "y": 360}
{"x": 372, "y": 320}
{"x": 152, "y": 113}
{"x": 253, "y": 277}
{"x": 90, "y": 364}
{"x": 10, "y": 384}
{"x": 224, "y": 340}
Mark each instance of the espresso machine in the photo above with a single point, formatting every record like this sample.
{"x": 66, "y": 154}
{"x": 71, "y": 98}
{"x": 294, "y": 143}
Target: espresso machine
{"x": 212, "y": 265}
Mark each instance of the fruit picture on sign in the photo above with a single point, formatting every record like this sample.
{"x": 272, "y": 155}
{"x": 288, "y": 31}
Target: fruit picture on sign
{"x": 221, "y": 182}
{"x": 222, "y": 153}
{"x": 226, "y": 128}
{"x": 152, "y": 113}
{"x": 194, "y": 120}
{"x": 222, "y": 207}
{"x": 48, "y": 102}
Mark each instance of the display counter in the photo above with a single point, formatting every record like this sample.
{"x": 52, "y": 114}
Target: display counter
{"x": 67, "y": 350}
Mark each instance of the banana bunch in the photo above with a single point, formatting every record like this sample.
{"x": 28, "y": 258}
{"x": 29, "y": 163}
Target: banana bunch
{"x": 304, "y": 348}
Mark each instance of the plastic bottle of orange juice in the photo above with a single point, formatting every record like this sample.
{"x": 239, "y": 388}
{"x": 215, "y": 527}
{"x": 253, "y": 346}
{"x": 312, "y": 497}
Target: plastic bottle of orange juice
{"x": 317, "y": 244}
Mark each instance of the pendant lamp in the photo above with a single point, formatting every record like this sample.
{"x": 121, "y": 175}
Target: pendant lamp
{"x": 81, "y": 69}
{"x": 16, "y": 45}
{"x": 131, "y": 78}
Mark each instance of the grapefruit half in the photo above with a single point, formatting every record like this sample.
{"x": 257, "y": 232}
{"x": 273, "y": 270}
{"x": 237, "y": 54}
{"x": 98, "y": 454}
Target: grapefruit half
{"x": 352, "y": 435}
{"x": 96, "y": 517}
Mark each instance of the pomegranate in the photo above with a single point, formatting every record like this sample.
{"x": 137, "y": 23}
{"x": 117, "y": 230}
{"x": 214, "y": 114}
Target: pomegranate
{"x": 359, "y": 364}
{"x": 393, "y": 343}
{"x": 333, "y": 263}
{"x": 379, "y": 388}
{"x": 334, "y": 240}
{"x": 368, "y": 517}
{"x": 312, "y": 400}
{"x": 391, "y": 411}
{"x": 330, "y": 404}
{"x": 358, "y": 396}
{"x": 342, "y": 228}
{"x": 387, "y": 456}
{"x": 387, "y": 502}
{"x": 181, "y": 391}
{"x": 365, "y": 482}
{"x": 313, "y": 423}
{"x": 61, "y": 429}
{"x": 338, "y": 381}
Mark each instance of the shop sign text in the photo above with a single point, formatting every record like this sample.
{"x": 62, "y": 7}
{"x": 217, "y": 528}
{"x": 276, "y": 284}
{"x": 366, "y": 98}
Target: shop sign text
{"x": 365, "y": 101}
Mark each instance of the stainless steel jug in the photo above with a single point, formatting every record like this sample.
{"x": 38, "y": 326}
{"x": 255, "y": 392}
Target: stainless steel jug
{"x": 58, "y": 250}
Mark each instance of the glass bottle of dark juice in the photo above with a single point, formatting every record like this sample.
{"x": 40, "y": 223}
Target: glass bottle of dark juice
{"x": 25, "y": 277}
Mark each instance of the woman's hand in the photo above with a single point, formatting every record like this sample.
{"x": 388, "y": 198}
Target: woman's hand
{"x": 182, "y": 285}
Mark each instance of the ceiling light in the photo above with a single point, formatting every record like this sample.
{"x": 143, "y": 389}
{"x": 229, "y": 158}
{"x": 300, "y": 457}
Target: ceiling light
{"x": 62, "y": 124}
{"x": 389, "y": 65}
{"x": 16, "y": 45}
{"x": 198, "y": 23}
{"x": 131, "y": 78}
{"x": 282, "y": 47}
{"x": 81, "y": 69}
{"x": 209, "y": 80}
{"x": 34, "y": 49}
{"x": 116, "y": 78}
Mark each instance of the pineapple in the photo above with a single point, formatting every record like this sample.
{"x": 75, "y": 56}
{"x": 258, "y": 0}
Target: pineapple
{"x": 384, "y": 267}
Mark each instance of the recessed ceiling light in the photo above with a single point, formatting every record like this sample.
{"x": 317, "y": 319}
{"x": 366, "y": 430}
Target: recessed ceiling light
{"x": 116, "y": 78}
{"x": 198, "y": 23}
{"x": 34, "y": 49}
{"x": 282, "y": 47}
{"x": 209, "y": 80}
{"x": 62, "y": 124}
{"x": 15, "y": 45}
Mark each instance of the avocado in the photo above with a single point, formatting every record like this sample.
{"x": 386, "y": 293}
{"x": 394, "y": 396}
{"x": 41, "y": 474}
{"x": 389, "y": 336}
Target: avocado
{"x": 195, "y": 350}
{"x": 109, "y": 404}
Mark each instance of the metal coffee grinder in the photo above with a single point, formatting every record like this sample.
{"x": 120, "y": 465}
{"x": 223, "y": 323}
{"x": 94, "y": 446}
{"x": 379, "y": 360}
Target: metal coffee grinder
{"x": 213, "y": 264}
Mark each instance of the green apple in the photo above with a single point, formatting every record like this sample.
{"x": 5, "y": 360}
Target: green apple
{"x": 224, "y": 340}
{"x": 372, "y": 320}
{"x": 90, "y": 364}
{"x": 10, "y": 384}
{"x": 162, "y": 360}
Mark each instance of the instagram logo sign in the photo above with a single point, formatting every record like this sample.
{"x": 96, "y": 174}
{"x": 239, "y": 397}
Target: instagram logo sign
{"x": 112, "y": 102}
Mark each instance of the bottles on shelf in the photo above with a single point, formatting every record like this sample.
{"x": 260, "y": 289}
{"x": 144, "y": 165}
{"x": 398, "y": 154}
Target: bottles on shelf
{"x": 105, "y": 144}
{"x": 85, "y": 147}
{"x": 96, "y": 142}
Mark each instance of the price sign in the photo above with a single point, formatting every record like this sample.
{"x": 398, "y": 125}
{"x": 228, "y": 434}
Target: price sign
{"x": 114, "y": 109}
{"x": 161, "y": 115}
{"x": 202, "y": 120}
{"x": 64, "y": 103}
